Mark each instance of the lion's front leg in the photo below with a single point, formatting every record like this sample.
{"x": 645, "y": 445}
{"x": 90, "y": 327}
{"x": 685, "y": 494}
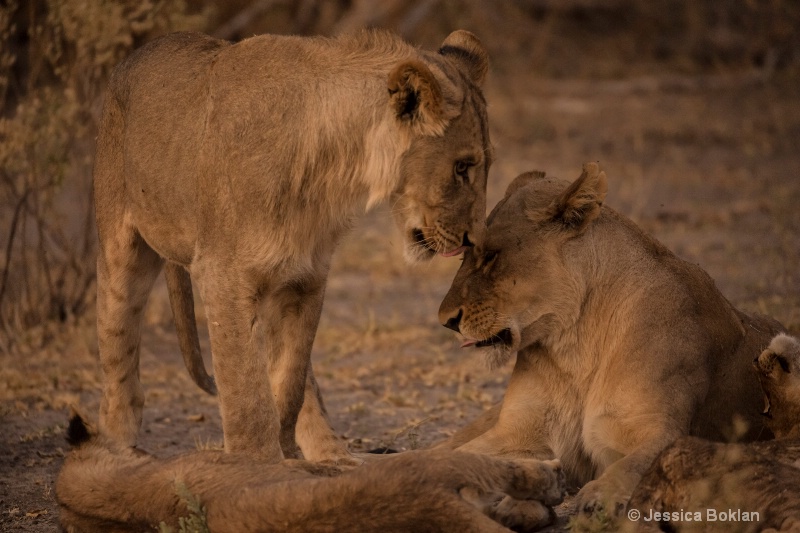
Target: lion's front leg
{"x": 607, "y": 496}
{"x": 624, "y": 446}
{"x": 503, "y": 432}
{"x": 291, "y": 317}
{"x": 472, "y": 431}
{"x": 250, "y": 420}
{"x": 507, "y": 444}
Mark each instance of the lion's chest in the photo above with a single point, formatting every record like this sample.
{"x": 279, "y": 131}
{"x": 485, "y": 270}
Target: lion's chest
{"x": 582, "y": 428}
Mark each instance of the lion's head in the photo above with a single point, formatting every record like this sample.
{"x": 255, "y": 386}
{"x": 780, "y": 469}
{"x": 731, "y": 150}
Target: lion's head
{"x": 778, "y": 370}
{"x": 510, "y": 288}
{"x": 440, "y": 203}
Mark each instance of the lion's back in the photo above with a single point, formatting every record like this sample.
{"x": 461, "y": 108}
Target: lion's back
{"x": 152, "y": 125}
{"x": 169, "y": 65}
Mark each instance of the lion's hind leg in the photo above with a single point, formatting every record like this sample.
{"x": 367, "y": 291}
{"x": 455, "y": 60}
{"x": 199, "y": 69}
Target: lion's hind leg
{"x": 126, "y": 270}
{"x": 315, "y": 436}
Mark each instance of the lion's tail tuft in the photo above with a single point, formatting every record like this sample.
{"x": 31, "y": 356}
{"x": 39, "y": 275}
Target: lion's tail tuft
{"x": 78, "y": 430}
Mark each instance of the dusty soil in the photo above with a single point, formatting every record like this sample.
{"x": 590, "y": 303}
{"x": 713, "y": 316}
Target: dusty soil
{"x": 709, "y": 165}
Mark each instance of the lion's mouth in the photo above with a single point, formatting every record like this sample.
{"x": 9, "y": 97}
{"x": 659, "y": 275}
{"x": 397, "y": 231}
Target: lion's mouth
{"x": 767, "y": 412}
{"x": 503, "y": 337}
{"x": 428, "y": 244}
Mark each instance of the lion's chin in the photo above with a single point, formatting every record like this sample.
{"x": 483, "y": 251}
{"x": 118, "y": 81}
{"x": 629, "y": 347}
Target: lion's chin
{"x": 497, "y": 356}
{"x": 497, "y": 350}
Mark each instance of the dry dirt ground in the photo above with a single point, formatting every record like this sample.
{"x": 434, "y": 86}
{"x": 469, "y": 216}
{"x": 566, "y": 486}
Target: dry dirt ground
{"x": 709, "y": 165}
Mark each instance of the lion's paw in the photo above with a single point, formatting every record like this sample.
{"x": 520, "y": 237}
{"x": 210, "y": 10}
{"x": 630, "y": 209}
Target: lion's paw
{"x": 333, "y": 454}
{"x": 345, "y": 462}
{"x": 522, "y": 515}
{"x": 602, "y": 498}
{"x": 539, "y": 480}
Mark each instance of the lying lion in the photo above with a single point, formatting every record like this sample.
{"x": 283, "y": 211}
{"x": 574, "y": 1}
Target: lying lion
{"x": 693, "y": 482}
{"x": 621, "y": 346}
{"x": 107, "y": 487}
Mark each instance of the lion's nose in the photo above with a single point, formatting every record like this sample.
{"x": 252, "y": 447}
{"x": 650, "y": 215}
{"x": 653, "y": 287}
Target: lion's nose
{"x": 453, "y": 321}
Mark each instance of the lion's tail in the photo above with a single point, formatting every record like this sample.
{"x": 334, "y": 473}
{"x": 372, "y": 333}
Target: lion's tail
{"x": 181, "y": 299}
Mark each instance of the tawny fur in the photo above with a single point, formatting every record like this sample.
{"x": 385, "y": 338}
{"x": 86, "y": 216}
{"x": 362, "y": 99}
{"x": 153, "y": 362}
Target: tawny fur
{"x": 778, "y": 371}
{"x": 242, "y": 165}
{"x": 105, "y": 487}
{"x": 621, "y": 346}
{"x": 694, "y": 475}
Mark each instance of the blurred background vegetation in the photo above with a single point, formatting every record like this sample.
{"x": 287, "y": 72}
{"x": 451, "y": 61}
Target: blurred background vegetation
{"x": 55, "y": 56}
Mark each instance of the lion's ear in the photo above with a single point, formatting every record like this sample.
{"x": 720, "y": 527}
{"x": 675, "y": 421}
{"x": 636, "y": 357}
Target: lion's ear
{"x": 417, "y": 98}
{"x": 516, "y": 184}
{"x": 580, "y": 203}
{"x": 468, "y": 53}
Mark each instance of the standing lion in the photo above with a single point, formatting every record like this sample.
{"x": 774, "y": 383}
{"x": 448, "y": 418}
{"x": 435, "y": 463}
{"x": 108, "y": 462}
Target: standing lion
{"x": 242, "y": 165}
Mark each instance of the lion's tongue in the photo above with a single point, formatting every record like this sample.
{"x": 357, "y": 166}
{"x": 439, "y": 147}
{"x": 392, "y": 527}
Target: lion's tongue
{"x": 468, "y": 343}
{"x": 457, "y": 251}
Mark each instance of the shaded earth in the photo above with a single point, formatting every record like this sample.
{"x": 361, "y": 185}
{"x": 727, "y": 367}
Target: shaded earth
{"x": 709, "y": 165}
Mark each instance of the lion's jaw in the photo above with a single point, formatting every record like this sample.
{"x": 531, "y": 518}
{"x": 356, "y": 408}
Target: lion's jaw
{"x": 511, "y": 334}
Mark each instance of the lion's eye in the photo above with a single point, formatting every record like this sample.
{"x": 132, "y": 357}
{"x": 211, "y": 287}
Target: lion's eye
{"x": 461, "y": 169}
{"x": 488, "y": 259}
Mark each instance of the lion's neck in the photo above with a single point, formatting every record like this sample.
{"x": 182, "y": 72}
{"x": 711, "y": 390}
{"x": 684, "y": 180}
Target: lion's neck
{"x": 385, "y": 147}
{"x": 586, "y": 316}
{"x": 350, "y": 161}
